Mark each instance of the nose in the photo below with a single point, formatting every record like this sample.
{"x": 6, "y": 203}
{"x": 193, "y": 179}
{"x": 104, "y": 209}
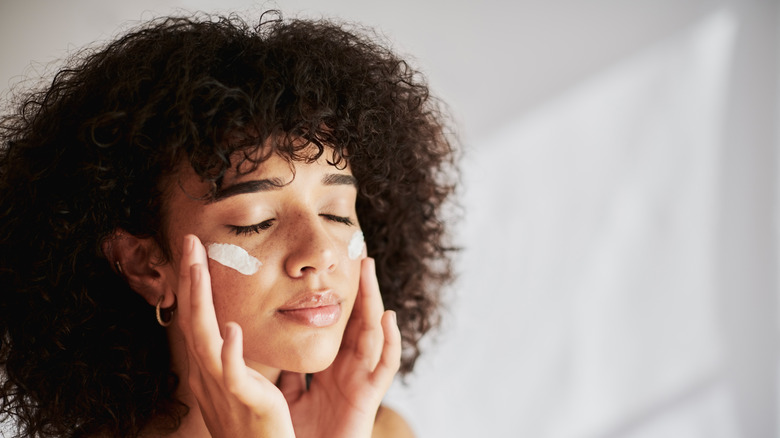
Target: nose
{"x": 310, "y": 250}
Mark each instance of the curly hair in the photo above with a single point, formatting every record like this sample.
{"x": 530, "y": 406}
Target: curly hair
{"x": 89, "y": 154}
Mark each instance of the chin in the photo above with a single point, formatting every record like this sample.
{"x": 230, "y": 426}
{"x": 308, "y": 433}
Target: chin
{"x": 311, "y": 357}
{"x": 314, "y": 360}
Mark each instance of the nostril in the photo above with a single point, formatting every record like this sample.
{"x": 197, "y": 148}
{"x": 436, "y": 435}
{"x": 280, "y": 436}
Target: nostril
{"x": 329, "y": 267}
{"x": 311, "y": 250}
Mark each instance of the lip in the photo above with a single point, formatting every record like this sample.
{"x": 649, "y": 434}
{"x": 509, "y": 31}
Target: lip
{"x": 315, "y": 309}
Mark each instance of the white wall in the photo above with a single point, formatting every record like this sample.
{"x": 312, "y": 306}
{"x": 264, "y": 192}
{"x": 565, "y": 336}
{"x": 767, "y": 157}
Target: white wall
{"x": 619, "y": 271}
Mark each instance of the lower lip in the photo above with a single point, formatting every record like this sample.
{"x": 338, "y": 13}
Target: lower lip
{"x": 323, "y": 316}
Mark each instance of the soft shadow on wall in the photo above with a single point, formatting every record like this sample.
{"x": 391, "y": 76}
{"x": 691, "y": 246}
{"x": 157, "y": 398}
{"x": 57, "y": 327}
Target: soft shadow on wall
{"x": 593, "y": 301}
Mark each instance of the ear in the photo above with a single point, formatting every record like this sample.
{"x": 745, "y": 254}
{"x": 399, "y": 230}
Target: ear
{"x": 138, "y": 261}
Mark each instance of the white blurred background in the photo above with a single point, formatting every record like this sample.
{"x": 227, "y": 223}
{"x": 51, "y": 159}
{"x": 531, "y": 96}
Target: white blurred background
{"x": 618, "y": 277}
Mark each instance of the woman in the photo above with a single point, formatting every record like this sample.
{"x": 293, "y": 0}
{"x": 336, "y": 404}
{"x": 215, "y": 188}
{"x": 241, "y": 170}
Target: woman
{"x": 181, "y": 249}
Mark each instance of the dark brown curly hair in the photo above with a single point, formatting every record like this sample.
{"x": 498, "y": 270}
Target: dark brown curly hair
{"x": 82, "y": 354}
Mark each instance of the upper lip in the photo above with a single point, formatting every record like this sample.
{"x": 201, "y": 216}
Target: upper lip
{"x": 311, "y": 300}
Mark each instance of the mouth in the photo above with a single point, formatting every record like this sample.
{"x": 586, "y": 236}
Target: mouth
{"x": 315, "y": 309}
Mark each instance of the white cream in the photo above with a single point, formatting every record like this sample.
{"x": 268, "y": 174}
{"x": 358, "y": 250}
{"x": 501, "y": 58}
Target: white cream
{"x": 355, "y": 247}
{"x": 234, "y": 257}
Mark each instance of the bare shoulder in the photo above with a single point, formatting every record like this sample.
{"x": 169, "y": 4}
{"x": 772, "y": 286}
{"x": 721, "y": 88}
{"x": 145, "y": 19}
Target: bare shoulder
{"x": 390, "y": 424}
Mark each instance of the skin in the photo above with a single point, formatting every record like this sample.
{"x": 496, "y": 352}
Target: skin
{"x": 302, "y": 247}
{"x": 243, "y": 358}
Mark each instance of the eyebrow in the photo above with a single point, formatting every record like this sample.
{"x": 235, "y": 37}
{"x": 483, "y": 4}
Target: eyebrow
{"x": 254, "y": 186}
{"x": 264, "y": 185}
{"x": 339, "y": 179}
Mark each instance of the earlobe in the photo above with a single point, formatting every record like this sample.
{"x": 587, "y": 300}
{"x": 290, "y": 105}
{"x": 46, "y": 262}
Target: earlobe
{"x": 137, "y": 260}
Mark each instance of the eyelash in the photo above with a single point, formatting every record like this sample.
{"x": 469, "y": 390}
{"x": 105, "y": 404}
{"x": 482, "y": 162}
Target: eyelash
{"x": 340, "y": 219}
{"x": 239, "y": 230}
{"x": 251, "y": 229}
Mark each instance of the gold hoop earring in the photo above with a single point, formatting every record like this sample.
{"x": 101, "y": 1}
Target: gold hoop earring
{"x": 118, "y": 267}
{"x": 164, "y": 315}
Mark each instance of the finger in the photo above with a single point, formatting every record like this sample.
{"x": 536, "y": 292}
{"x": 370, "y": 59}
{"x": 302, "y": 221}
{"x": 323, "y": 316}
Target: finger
{"x": 199, "y": 383}
{"x": 233, "y": 363}
{"x": 390, "y": 361}
{"x": 247, "y": 385}
{"x": 190, "y": 257}
{"x": 184, "y": 287}
{"x": 205, "y": 365}
{"x": 364, "y": 334}
{"x": 206, "y": 339}
{"x": 368, "y": 305}
{"x": 371, "y": 306}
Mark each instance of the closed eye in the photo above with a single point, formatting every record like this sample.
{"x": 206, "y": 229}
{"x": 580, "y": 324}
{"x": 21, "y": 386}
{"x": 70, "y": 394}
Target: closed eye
{"x": 251, "y": 229}
{"x": 339, "y": 219}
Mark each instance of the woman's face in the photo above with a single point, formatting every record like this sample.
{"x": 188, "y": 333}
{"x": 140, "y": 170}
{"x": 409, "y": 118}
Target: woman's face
{"x": 294, "y": 308}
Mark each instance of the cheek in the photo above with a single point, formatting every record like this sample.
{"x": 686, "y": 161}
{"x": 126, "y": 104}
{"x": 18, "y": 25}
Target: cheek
{"x": 353, "y": 277}
{"x": 356, "y": 251}
{"x": 235, "y": 295}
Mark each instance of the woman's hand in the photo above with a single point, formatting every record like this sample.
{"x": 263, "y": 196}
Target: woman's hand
{"x": 235, "y": 400}
{"x": 342, "y": 400}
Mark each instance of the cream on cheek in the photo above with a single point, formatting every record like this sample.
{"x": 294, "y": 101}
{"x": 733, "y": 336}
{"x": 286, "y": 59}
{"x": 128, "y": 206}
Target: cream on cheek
{"x": 234, "y": 257}
{"x": 238, "y": 258}
{"x": 355, "y": 246}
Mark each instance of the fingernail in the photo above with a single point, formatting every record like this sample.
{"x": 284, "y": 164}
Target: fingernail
{"x": 394, "y": 317}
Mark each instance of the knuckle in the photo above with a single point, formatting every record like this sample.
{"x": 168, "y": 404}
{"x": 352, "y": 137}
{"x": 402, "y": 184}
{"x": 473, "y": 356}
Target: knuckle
{"x": 200, "y": 349}
{"x": 233, "y": 386}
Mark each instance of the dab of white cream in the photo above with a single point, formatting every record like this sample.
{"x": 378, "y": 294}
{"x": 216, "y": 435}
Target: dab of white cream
{"x": 355, "y": 247}
{"x": 234, "y": 257}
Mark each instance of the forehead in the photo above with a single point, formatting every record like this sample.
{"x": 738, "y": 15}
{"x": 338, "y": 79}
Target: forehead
{"x": 274, "y": 169}
{"x": 310, "y": 161}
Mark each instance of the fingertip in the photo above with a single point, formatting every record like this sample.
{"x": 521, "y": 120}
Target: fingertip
{"x": 232, "y": 354}
{"x": 193, "y": 250}
{"x": 368, "y": 273}
{"x": 189, "y": 243}
{"x": 232, "y": 332}
{"x": 390, "y": 360}
{"x": 390, "y": 324}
